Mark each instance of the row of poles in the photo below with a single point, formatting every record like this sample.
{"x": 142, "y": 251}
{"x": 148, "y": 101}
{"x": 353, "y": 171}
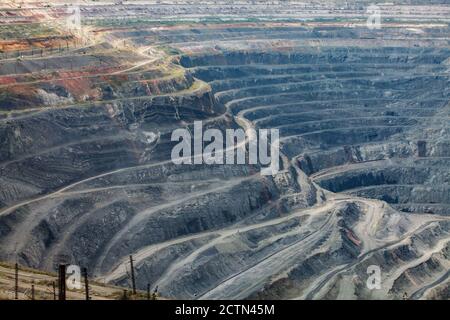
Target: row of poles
{"x": 38, "y": 50}
{"x": 62, "y": 284}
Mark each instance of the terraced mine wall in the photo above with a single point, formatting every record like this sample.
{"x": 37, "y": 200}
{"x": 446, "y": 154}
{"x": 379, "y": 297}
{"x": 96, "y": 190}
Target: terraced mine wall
{"x": 86, "y": 175}
{"x": 353, "y": 120}
{"x": 385, "y": 96}
{"x": 92, "y": 182}
{"x": 374, "y": 148}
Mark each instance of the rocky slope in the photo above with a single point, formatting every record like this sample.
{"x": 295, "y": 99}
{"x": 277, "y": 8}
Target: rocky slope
{"x": 86, "y": 174}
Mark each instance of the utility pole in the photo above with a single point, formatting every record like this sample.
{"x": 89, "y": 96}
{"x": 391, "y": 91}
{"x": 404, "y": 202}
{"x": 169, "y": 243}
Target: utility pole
{"x": 86, "y": 283}
{"x": 154, "y": 293}
{"x": 62, "y": 282}
{"x": 133, "y": 280}
{"x": 54, "y": 290}
{"x": 16, "y": 285}
{"x": 148, "y": 291}
{"x": 32, "y": 292}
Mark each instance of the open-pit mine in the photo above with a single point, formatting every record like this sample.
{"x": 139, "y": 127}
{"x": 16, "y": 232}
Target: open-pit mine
{"x": 91, "y": 92}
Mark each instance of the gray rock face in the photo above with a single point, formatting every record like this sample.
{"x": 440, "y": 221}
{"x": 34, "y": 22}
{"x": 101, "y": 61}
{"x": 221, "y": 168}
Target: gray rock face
{"x": 86, "y": 174}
